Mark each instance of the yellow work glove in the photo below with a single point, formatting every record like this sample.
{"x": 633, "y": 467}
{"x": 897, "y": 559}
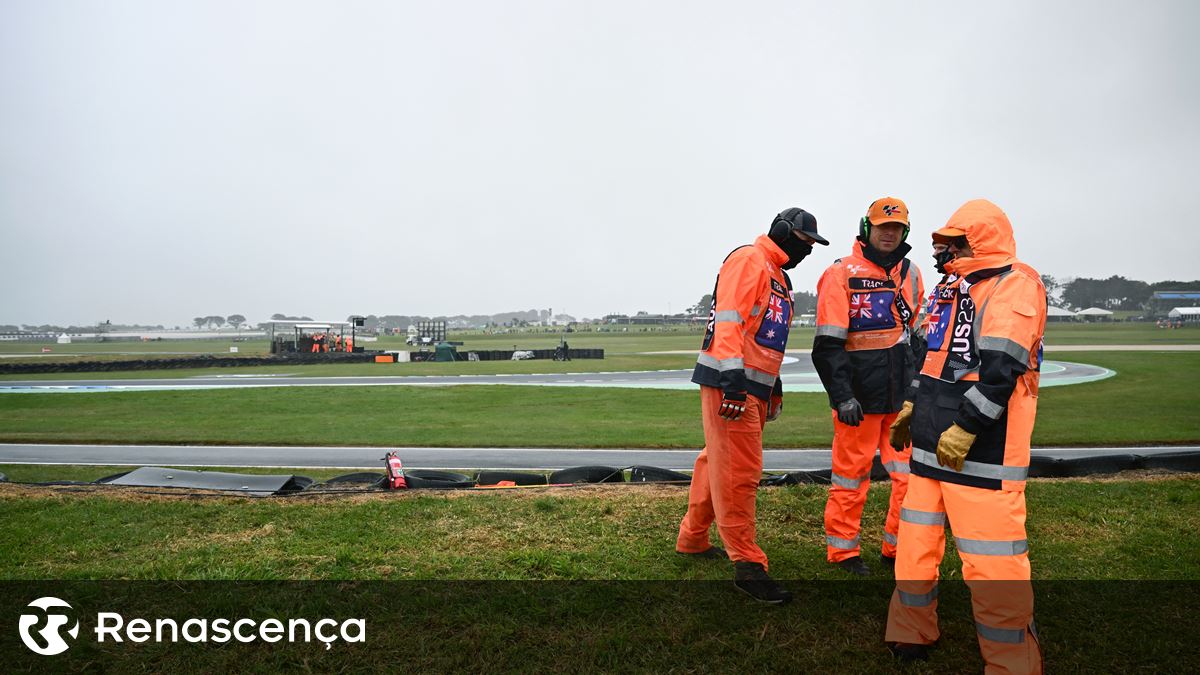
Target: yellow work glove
{"x": 900, "y": 436}
{"x": 953, "y": 446}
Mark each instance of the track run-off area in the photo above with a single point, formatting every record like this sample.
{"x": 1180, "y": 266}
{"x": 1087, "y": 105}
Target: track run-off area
{"x": 798, "y": 376}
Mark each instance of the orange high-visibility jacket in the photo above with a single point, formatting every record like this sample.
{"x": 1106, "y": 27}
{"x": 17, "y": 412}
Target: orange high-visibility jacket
{"x": 984, "y": 355}
{"x": 866, "y": 317}
{"x": 748, "y": 323}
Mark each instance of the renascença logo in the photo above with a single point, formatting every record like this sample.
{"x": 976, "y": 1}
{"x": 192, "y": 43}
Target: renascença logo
{"x": 42, "y": 630}
{"x": 51, "y": 635}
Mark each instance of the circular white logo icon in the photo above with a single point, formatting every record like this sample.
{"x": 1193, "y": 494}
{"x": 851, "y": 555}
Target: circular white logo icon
{"x": 40, "y": 631}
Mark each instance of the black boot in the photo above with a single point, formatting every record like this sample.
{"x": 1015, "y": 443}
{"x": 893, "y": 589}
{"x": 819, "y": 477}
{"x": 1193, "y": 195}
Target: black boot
{"x": 855, "y": 566}
{"x": 906, "y": 653}
{"x": 710, "y": 553}
{"x": 752, "y": 579}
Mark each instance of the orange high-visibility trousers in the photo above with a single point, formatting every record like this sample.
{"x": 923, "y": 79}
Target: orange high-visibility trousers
{"x": 989, "y": 532}
{"x": 725, "y": 481}
{"x": 853, "y": 450}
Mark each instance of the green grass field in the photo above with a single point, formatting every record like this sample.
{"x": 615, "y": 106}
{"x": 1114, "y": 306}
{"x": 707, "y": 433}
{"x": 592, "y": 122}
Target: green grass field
{"x": 1082, "y": 529}
{"x": 1151, "y": 400}
{"x": 553, "y": 578}
{"x": 533, "y": 549}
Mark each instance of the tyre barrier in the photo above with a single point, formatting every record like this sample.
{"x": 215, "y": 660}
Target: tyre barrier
{"x": 298, "y": 359}
{"x": 1043, "y": 467}
{"x": 1089, "y": 466}
{"x": 516, "y": 477}
{"x": 1173, "y": 461}
{"x": 653, "y": 474}
{"x": 588, "y": 474}
{"x": 1040, "y": 467}
{"x": 816, "y": 477}
{"x": 1049, "y": 467}
{"x": 429, "y": 478}
{"x": 359, "y": 478}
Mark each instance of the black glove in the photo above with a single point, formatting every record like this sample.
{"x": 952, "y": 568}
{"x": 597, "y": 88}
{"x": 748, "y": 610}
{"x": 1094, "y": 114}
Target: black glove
{"x": 850, "y": 412}
{"x": 733, "y": 404}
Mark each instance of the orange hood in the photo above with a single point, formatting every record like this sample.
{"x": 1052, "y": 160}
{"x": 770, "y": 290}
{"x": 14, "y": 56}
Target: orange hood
{"x": 989, "y": 235}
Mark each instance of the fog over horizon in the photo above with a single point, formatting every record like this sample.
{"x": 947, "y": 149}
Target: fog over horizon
{"x": 166, "y": 160}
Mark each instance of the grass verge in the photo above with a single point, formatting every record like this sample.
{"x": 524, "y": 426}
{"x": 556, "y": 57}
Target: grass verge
{"x": 552, "y": 580}
{"x": 1151, "y": 400}
{"x": 1080, "y": 529}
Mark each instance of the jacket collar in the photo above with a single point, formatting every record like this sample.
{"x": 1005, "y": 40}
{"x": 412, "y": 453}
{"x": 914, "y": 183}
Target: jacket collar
{"x": 872, "y": 255}
{"x": 772, "y": 250}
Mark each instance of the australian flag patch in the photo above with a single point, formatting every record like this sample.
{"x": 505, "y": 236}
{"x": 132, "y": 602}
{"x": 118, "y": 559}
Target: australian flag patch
{"x": 773, "y": 331}
{"x": 871, "y": 311}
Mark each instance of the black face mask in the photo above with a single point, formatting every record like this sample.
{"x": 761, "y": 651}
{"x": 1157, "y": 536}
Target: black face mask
{"x": 796, "y": 250}
{"x": 940, "y": 260}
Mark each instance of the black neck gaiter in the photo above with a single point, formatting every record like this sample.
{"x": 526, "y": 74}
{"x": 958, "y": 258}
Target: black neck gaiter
{"x": 885, "y": 260}
{"x": 940, "y": 260}
{"x": 796, "y": 251}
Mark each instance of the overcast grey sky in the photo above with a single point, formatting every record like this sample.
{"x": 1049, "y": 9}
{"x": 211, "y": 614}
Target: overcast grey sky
{"x": 161, "y": 160}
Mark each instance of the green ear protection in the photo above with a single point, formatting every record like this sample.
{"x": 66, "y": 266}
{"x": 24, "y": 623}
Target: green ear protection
{"x": 864, "y": 227}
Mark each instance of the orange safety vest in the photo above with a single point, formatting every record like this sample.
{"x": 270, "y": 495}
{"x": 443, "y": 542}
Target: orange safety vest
{"x": 866, "y": 316}
{"x": 749, "y": 321}
{"x": 984, "y": 356}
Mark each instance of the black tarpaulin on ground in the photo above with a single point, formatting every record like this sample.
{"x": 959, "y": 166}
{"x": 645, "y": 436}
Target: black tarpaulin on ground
{"x": 282, "y": 485}
{"x": 242, "y": 483}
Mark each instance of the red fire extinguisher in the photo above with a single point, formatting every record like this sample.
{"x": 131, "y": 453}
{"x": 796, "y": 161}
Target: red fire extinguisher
{"x": 395, "y": 472}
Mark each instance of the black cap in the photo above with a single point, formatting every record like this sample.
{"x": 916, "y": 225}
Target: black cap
{"x": 804, "y": 222}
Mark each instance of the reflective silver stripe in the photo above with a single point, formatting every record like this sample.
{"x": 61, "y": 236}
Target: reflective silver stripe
{"x": 983, "y": 404}
{"x": 999, "y": 344}
{"x": 848, "y": 483}
{"x": 889, "y": 538}
{"x": 761, "y": 377}
{"x": 754, "y": 311}
{"x": 831, "y": 330}
{"x": 897, "y": 467}
{"x": 918, "y": 599}
{"x": 1012, "y": 636}
{"x": 976, "y": 469}
{"x": 922, "y": 517}
{"x": 838, "y": 542}
{"x": 722, "y": 365}
{"x": 987, "y": 547}
{"x": 728, "y": 316}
